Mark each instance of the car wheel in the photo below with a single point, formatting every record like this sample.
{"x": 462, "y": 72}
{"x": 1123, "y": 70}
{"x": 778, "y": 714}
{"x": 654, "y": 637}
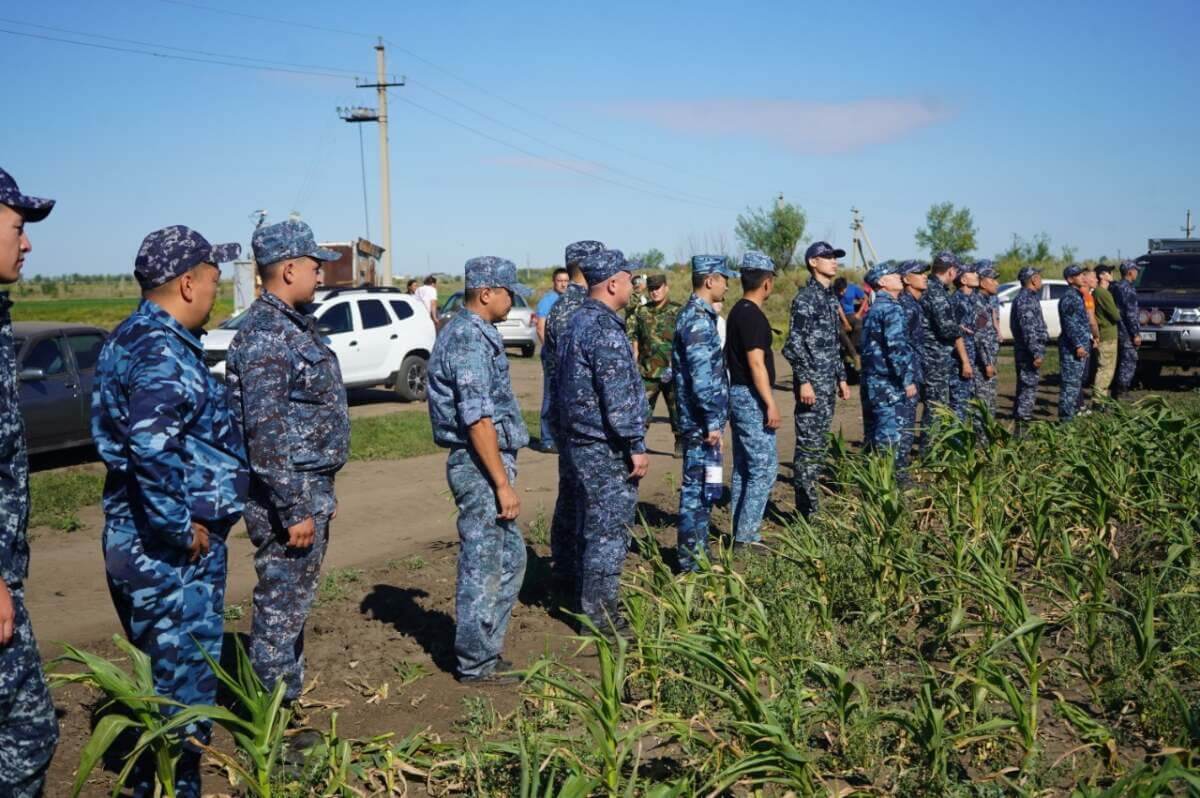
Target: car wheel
{"x": 527, "y": 350}
{"x": 411, "y": 379}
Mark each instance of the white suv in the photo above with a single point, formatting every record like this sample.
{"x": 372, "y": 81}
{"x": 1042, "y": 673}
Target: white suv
{"x": 380, "y": 336}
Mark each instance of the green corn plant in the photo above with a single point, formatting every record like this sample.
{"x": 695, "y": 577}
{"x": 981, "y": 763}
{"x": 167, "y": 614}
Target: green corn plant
{"x": 130, "y": 705}
{"x": 1090, "y": 731}
{"x": 1168, "y": 777}
{"x": 849, "y": 697}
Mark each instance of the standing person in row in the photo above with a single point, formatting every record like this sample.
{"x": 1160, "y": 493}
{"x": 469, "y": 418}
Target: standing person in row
{"x": 177, "y": 478}
{"x": 942, "y": 343}
{"x": 702, "y": 391}
{"x": 1029, "y": 343}
{"x": 603, "y": 428}
{"x": 916, "y": 279}
{"x": 288, "y": 398}
{"x": 1107, "y": 319}
{"x": 1129, "y": 330}
{"x": 28, "y": 726}
{"x": 1074, "y": 342}
{"x": 651, "y": 329}
{"x": 889, "y": 365}
{"x": 754, "y": 416}
{"x": 1087, "y": 285}
{"x": 967, "y": 312}
{"x": 987, "y": 335}
{"x": 818, "y": 374}
{"x": 475, "y": 415}
{"x": 564, "y": 526}
{"x": 559, "y": 282}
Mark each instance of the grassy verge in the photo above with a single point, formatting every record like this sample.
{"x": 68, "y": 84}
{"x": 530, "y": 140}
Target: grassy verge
{"x": 399, "y": 435}
{"x": 57, "y": 496}
{"x": 106, "y": 312}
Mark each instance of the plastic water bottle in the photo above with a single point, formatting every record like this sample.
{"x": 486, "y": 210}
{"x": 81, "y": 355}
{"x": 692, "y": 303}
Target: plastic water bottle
{"x": 714, "y": 474}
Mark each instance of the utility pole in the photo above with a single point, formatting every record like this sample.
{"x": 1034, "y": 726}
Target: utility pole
{"x": 380, "y": 115}
{"x": 1187, "y": 227}
{"x": 857, "y": 252}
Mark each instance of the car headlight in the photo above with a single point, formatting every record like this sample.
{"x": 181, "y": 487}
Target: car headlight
{"x": 1157, "y": 317}
{"x": 1143, "y": 316}
{"x": 1186, "y": 316}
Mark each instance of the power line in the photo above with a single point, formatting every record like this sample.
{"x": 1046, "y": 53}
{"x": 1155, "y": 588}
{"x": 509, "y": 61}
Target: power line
{"x": 258, "y": 18}
{"x": 551, "y": 161}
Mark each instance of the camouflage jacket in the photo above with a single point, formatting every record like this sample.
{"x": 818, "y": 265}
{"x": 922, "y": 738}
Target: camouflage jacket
{"x": 14, "y": 462}
{"x": 941, "y": 327}
{"x": 599, "y": 390}
{"x": 987, "y": 337}
{"x": 888, "y": 355}
{"x": 652, "y": 328}
{"x": 1028, "y": 323}
{"x": 288, "y": 399}
{"x": 968, "y": 311}
{"x": 698, "y": 363}
{"x": 162, "y": 425}
{"x": 1125, "y": 295}
{"x": 1076, "y": 331}
{"x": 469, "y": 381}
{"x": 813, "y": 347}
{"x": 914, "y": 324}
{"x": 556, "y": 328}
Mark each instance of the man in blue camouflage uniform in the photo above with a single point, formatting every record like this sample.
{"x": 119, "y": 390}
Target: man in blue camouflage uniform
{"x": 1129, "y": 330}
{"x": 564, "y": 526}
{"x": 1074, "y": 343}
{"x": 753, "y": 412}
{"x": 942, "y": 343}
{"x": 701, "y": 395}
{"x": 889, "y": 365}
{"x": 1029, "y": 342}
{"x": 603, "y": 418}
{"x": 916, "y": 281}
{"x": 28, "y": 727}
{"x": 818, "y": 375}
{"x": 475, "y": 415}
{"x": 288, "y": 399}
{"x": 177, "y": 476}
{"x": 987, "y": 335}
{"x": 967, "y": 312}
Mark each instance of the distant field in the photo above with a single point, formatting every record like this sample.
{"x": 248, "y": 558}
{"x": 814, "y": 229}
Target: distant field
{"x": 106, "y": 313}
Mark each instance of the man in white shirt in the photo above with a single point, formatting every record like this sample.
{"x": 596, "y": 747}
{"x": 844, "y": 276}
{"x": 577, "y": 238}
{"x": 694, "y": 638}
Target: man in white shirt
{"x": 428, "y": 295}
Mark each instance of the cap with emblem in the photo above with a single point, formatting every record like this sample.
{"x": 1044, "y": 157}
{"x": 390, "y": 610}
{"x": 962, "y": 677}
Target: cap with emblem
{"x": 945, "y": 258}
{"x": 167, "y": 253}
{"x": 881, "y": 270}
{"x": 1074, "y": 270}
{"x": 985, "y": 268}
{"x": 576, "y": 252}
{"x": 603, "y": 265}
{"x": 287, "y": 241}
{"x": 489, "y": 271}
{"x": 32, "y": 209}
{"x": 712, "y": 264}
{"x": 914, "y": 267}
{"x": 822, "y": 249}
{"x": 1026, "y": 274}
{"x": 1128, "y": 266}
{"x": 757, "y": 261}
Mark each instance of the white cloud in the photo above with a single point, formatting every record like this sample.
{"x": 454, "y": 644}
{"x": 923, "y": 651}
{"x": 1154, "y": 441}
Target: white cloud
{"x": 814, "y": 128}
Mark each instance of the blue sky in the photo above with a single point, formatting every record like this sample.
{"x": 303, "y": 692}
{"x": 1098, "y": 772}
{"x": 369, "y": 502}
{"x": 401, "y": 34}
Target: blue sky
{"x": 1076, "y": 119}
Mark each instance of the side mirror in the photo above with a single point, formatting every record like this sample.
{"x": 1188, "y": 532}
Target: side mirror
{"x": 32, "y": 375}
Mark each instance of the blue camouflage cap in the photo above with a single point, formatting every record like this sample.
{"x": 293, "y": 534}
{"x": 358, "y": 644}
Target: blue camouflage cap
{"x": 947, "y": 259}
{"x": 167, "y": 253}
{"x": 1026, "y": 274}
{"x": 1128, "y": 266}
{"x": 914, "y": 267}
{"x": 712, "y": 264}
{"x": 822, "y": 249}
{"x": 288, "y": 240}
{"x": 576, "y": 252}
{"x": 967, "y": 268}
{"x": 757, "y": 261}
{"x": 881, "y": 270}
{"x": 1073, "y": 270}
{"x": 32, "y": 209}
{"x": 600, "y": 266}
{"x": 489, "y": 271}
{"x": 985, "y": 268}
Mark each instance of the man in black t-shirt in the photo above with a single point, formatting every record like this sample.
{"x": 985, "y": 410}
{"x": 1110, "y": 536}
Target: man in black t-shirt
{"x": 754, "y": 416}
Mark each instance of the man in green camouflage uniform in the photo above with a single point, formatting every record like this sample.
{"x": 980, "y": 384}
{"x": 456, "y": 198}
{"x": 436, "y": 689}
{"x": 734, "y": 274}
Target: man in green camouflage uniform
{"x": 651, "y": 328}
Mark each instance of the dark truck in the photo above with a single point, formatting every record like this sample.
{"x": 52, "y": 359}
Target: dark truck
{"x": 1168, "y": 288}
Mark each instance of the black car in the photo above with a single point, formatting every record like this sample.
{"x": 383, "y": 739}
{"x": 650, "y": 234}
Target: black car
{"x": 1168, "y": 288}
{"x": 56, "y": 364}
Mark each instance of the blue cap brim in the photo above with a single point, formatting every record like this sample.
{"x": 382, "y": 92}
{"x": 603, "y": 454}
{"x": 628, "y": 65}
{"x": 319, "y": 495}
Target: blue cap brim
{"x": 320, "y": 253}
{"x": 32, "y": 209}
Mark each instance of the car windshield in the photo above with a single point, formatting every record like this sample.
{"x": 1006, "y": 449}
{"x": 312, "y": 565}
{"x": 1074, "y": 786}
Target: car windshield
{"x": 1007, "y": 291}
{"x": 1168, "y": 275}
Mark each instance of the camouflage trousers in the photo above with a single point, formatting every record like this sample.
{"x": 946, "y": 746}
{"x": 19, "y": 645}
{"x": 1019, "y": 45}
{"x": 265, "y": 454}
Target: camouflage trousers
{"x": 1072, "y": 373}
{"x": 908, "y": 433}
{"x": 985, "y": 389}
{"x": 1127, "y": 358}
{"x": 547, "y": 429}
{"x": 938, "y": 369}
{"x": 694, "y": 511}
{"x": 1027, "y": 385}
{"x": 564, "y": 526}
{"x": 28, "y": 726}
{"x": 288, "y": 578}
{"x": 491, "y": 564}
{"x": 962, "y": 391}
{"x": 656, "y": 388}
{"x": 170, "y": 609}
{"x": 608, "y": 504}
{"x": 1106, "y": 369}
{"x": 887, "y": 425}
{"x": 755, "y": 463}
{"x": 813, "y": 423}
